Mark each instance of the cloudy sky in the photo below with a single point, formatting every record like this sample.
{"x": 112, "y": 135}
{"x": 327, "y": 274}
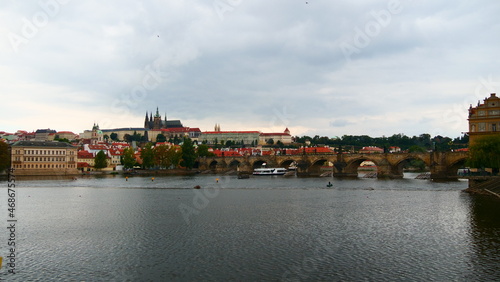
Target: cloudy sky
{"x": 319, "y": 67}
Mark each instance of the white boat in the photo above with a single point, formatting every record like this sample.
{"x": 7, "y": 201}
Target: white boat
{"x": 269, "y": 171}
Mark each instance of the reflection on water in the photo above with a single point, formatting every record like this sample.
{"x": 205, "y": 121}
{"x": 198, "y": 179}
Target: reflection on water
{"x": 262, "y": 228}
{"x": 485, "y": 235}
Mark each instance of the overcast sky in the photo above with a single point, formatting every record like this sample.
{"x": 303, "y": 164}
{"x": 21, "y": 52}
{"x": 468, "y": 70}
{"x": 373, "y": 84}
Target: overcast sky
{"x": 327, "y": 68}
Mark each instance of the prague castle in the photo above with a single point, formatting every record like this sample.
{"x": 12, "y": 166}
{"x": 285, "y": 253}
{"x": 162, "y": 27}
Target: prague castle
{"x": 156, "y": 123}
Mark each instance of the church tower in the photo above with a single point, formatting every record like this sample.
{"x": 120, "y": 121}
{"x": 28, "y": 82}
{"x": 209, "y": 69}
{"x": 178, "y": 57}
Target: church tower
{"x": 146, "y": 121}
{"x": 157, "y": 120}
{"x": 97, "y": 135}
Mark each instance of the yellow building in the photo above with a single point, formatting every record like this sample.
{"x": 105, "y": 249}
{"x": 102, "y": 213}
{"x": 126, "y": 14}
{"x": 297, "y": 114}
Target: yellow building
{"x": 485, "y": 118}
{"x": 43, "y": 158}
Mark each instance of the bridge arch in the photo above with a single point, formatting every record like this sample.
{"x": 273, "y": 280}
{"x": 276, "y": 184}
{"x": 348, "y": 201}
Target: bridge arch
{"x": 216, "y": 165}
{"x": 259, "y": 163}
{"x": 286, "y": 163}
{"x": 234, "y": 164}
{"x": 213, "y": 165}
{"x": 315, "y": 167}
{"x": 398, "y": 168}
{"x": 352, "y": 166}
{"x": 454, "y": 166}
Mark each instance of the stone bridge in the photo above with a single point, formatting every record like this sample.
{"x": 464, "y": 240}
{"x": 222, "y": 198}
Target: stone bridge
{"x": 442, "y": 165}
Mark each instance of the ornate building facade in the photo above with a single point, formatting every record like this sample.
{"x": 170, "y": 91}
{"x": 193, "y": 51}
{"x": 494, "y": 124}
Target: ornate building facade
{"x": 485, "y": 118}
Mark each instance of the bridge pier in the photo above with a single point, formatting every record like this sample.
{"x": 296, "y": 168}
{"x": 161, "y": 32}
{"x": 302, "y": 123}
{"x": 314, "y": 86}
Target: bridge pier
{"x": 441, "y": 169}
{"x": 387, "y": 171}
{"x": 245, "y": 168}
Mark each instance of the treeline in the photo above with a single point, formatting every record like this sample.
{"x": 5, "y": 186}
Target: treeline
{"x": 356, "y": 142}
{"x": 163, "y": 156}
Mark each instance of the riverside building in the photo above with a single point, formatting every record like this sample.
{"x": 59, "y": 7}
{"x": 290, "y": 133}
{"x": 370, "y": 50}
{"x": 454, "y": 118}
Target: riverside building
{"x": 485, "y": 118}
{"x": 44, "y": 158}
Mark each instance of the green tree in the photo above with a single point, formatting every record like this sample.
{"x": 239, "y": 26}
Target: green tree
{"x": 4, "y": 156}
{"x": 280, "y": 144}
{"x": 415, "y": 164}
{"x": 128, "y": 157}
{"x": 161, "y": 156}
{"x": 113, "y": 136}
{"x": 188, "y": 154}
{"x": 161, "y": 138}
{"x": 62, "y": 140}
{"x": 485, "y": 152}
{"x": 203, "y": 151}
{"x": 136, "y": 137}
{"x": 147, "y": 156}
{"x": 127, "y": 137}
{"x": 416, "y": 149}
{"x": 100, "y": 160}
{"x": 270, "y": 141}
{"x": 166, "y": 157}
{"x": 174, "y": 156}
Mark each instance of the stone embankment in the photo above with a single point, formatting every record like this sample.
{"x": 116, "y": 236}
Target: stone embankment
{"x": 484, "y": 186}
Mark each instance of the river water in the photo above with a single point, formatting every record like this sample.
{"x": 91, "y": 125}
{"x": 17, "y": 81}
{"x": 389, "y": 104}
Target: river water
{"x": 258, "y": 229}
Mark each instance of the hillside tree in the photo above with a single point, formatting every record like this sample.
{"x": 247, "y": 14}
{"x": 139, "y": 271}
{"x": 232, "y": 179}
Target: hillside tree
{"x": 100, "y": 160}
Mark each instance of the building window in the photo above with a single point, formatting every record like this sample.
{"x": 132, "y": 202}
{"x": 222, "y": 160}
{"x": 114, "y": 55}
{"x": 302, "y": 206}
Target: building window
{"x": 482, "y": 126}
{"x": 494, "y": 127}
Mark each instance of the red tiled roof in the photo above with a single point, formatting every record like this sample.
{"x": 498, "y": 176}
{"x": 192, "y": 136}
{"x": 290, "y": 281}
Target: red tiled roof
{"x": 124, "y": 144}
{"x": 98, "y": 147}
{"x": 84, "y": 155}
{"x": 218, "y": 132}
{"x": 318, "y": 150}
{"x": 180, "y": 129}
{"x": 116, "y": 152}
{"x": 275, "y": 134}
